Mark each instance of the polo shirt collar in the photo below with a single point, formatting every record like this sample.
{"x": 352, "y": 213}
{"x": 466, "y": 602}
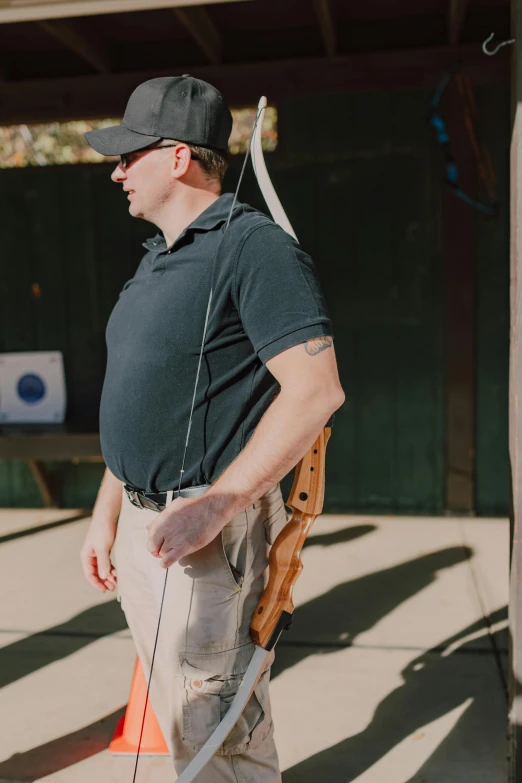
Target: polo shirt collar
{"x": 210, "y": 218}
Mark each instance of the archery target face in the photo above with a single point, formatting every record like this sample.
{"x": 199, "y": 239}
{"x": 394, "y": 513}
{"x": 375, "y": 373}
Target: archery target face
{"x": 32, "y": 387}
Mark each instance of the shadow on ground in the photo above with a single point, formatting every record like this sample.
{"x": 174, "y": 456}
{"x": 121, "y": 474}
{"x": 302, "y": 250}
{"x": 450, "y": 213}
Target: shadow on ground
{"x": 30, "y": 531}
{"x": 61, "y": 753}
{"x": 339, "y": 536}
{"x": 27, "y": 655}
{"x": 434, "y": 685}
{"x": 340, "y": 615}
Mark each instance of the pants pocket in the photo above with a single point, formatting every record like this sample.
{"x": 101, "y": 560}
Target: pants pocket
{"x": 234, "y": 547}
{"x": 201, "y": 709}
{"x": 275, "y": 523}
{"x": 254, "y": 722}
{"x": 206, "y": 700}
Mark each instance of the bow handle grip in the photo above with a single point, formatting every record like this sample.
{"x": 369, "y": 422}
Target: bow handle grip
{"x": 275, "y": 608}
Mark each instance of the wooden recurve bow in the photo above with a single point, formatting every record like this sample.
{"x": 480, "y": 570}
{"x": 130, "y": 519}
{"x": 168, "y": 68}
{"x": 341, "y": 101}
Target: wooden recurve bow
{"x": 275, "y": 608}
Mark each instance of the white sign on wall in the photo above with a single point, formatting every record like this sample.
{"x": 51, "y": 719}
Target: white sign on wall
{"x": 32, "y": 387}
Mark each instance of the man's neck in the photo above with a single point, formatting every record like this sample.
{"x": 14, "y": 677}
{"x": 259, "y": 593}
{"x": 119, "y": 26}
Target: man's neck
{"x": 178, "y": 216}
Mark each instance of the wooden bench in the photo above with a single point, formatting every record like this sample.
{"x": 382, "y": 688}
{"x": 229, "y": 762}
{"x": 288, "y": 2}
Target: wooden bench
{"x": 34, "y": 444}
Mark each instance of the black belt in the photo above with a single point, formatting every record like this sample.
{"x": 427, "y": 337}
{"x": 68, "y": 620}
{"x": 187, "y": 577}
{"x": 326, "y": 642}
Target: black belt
{"x": 157, "y": 501}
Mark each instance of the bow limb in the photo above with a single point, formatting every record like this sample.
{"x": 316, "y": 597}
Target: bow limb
{"x": 264, "y": 181}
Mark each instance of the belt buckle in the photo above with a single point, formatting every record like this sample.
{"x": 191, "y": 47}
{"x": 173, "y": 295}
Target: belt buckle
{"x": 134, "y": 497}
{"x": 152, "y": 504}
{"x": 137, "y": 499}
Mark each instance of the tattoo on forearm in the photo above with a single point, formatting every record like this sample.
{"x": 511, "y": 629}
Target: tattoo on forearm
{"x": 313, "y": 347}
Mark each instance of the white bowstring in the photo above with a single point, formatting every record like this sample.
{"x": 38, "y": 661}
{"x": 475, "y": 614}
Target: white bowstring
{"x": 170, "y": 493}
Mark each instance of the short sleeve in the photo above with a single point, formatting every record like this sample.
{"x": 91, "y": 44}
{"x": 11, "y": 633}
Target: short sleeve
{"x": 278, "y": 294}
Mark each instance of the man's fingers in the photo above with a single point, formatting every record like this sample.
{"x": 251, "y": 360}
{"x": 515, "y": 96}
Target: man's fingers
{"x": 155, "y": 543}
{"x": 169, "y": 559}
{"x": 90, "y": 570}
{"x": 98, "y": 570}
{"x": 164, "y": 549}
{"x": 110, "y": 582}
{"x": 104, "y": 564}
{"x": 158, "y": 547}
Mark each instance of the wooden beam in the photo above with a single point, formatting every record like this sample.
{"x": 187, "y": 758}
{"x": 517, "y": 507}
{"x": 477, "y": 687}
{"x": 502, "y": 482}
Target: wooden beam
{"x": 326, "y": 25}
{"x": 33, "y": 10}
{"x": 84, "y": 97}
{"x": 48, "y": 494}
{"x": 70, "y": 35}
{"x": 457, "y": 10}
{"x": 50, "y": 446}
{"x": 202, "y": 29}
{"x": 515, "y": 411}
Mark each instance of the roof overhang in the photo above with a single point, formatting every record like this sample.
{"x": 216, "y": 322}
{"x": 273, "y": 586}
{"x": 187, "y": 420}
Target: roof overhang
{"x": 33, "y": 10}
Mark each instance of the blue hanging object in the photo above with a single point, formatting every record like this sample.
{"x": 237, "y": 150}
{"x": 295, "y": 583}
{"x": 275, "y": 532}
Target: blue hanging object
{"x": 438, "y": 124}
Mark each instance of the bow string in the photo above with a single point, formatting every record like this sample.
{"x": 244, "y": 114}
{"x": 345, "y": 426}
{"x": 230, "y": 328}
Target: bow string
{"x": 275, "y": 608}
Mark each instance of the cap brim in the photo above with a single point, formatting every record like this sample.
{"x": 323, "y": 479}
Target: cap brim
{"x": 118, "y": 140}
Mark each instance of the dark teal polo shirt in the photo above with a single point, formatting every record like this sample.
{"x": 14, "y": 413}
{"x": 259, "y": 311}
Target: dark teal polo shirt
{"x": 266, "y": 298}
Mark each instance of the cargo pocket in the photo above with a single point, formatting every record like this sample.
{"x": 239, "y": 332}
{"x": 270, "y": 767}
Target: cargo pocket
{"x": 254, "y": 722}
{"x": 206, "y": 700}
{"x": 201, "y": 709}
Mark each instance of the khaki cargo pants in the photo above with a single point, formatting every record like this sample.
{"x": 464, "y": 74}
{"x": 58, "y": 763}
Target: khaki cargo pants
{"x": 204, "y": 643}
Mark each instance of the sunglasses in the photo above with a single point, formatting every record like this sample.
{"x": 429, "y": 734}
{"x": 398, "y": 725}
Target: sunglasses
{"x": 129, "y": 157}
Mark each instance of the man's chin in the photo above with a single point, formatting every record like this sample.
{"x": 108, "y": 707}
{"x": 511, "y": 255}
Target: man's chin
{"x": 135, "y": 211}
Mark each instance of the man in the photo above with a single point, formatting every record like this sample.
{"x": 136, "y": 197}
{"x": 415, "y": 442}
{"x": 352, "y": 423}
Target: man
{"x": 266, "y": 385}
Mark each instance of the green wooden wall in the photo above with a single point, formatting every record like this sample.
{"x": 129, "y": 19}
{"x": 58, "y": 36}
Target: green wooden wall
{"x": 363, "y": 190}
{"x": 359, "y": 186}
{"x": 67, "y": 229}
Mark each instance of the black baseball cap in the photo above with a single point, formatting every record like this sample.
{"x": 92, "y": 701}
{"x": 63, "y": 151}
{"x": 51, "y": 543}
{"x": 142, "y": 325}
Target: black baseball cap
{"x": 170, "y": 107}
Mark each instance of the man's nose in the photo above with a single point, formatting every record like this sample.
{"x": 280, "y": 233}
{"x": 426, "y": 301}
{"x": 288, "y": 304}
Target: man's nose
{"x": 119, "y": 174}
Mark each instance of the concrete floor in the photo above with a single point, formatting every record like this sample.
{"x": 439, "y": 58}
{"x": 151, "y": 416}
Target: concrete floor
{"x": 394, "y": 669}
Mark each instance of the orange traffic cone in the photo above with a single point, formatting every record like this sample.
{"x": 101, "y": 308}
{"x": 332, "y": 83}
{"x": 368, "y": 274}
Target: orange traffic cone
{"x": 127, "y": 734}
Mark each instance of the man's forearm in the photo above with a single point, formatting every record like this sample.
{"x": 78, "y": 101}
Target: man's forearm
{"x": 108, "y": 500}
{"x": 283, "y": 436}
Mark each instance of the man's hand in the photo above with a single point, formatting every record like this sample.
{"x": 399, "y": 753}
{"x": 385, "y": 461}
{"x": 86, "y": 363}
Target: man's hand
{"x": 94, "y": 554}
{"x": 185, "y": 526}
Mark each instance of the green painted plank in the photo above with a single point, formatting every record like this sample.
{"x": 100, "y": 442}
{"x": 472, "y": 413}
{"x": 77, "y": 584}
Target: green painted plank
{"x": 85, "y": 361}
{"x": 81, "y": 483}
{"x": 43, "y": 219}
{"x": 418, "y": 294}
{"x": 374, "y": 321}
{"x": 19, "y": 308}
{"x": 492, "y": 456}
{"x": 6, "y": 497}
{"x": 24, "y": 490}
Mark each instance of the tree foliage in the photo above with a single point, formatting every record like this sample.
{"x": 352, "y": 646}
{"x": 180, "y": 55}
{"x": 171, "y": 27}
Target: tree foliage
{"x": 59, "y": 143}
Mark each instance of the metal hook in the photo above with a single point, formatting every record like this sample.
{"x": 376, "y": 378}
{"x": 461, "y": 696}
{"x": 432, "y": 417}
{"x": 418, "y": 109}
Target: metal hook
{"x": 495, "y": 50}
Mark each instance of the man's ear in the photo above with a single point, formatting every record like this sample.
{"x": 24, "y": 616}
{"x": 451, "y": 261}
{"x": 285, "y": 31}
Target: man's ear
{"x": 181, "y": 160}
